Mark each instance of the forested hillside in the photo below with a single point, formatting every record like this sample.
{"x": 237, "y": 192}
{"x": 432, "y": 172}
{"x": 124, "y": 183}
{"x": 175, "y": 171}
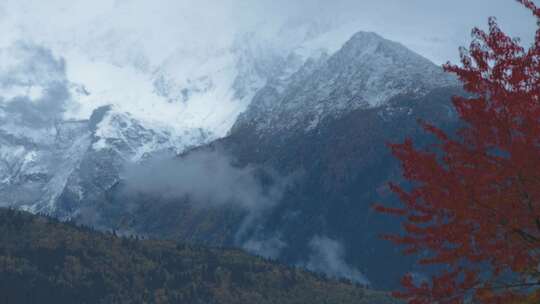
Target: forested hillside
{"x": 43, "y": 260}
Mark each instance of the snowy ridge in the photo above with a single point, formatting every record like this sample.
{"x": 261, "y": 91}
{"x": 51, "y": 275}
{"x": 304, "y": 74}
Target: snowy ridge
{"x": 34, "y": 173}
{"x": 94, "y": 125}
{"x": 83, "y": 158}
{"x": 134, "y": 139}
{"x": 366, "y": 72}
{"x": 182, "y": 86}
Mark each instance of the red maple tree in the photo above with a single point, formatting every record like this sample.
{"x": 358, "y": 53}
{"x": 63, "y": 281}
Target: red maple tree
{"x": 473, "y": 205}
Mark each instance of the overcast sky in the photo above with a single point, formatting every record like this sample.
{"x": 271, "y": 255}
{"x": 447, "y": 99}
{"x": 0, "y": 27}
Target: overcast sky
{"x": 435, "y": 28}
{"x": 117, "y": 50}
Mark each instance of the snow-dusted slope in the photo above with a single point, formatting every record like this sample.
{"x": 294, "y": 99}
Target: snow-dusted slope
{"x": 126, "y": 90}
{"x": 163, "y": 62}
{"x": 184, "y": 91}
{"x": 182, "y": 76}
{"x": 74, "y": 109}
{"x": 34, "y": 173}
{"x": 75, "y": 162}
{"x": 366, "y": 72}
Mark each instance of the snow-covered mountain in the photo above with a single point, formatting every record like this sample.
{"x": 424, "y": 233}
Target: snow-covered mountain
{"x": 328, "y": 125}
{"x": 54, "y": 154}
{"x": 76, "y": 161}
{"x": 316, "y": 113}
{"x": 366, "y": 72}
{"x": 317, "y": 133}
{"x": 72, "y": 118}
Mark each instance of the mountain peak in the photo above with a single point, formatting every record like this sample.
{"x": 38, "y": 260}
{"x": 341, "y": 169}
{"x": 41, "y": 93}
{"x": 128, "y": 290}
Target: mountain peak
{"x": 366, "y": 36}
{"x": 363, "y": 46}
{"x": 366, "y": 72}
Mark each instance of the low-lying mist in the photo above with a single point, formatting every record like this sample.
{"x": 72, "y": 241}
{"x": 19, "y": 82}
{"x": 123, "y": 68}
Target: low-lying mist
{"x": 207, "y": 179}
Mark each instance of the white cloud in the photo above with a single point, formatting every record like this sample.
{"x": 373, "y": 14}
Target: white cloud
{"x": 34, "y": 90}
{"x": 328, "y": 257}
{"x": 269, "y": 248}
{"x": 207, "y": 179}
{"x": 117, "y": 49}
{"x": 162, "y": 25}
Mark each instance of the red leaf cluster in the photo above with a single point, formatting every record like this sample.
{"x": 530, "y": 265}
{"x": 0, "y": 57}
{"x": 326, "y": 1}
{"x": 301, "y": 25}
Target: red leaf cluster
{"x": 475, "y": 202}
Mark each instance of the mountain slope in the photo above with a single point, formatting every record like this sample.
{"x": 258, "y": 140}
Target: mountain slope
{"x": 61, "y": 168}
{"x": 46, "y": 261}
{"x": 339, "y": 170}
{"x": 334, "y": 167}
{"x": 344, "y": 165}
{"x": 294, "y": 179}
{"x": 366, "y": 72}
{"x": 66, "y": 131}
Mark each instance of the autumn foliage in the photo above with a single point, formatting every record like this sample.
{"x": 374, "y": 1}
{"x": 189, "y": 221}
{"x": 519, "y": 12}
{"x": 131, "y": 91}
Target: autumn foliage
{"x": 473, "y": 204}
